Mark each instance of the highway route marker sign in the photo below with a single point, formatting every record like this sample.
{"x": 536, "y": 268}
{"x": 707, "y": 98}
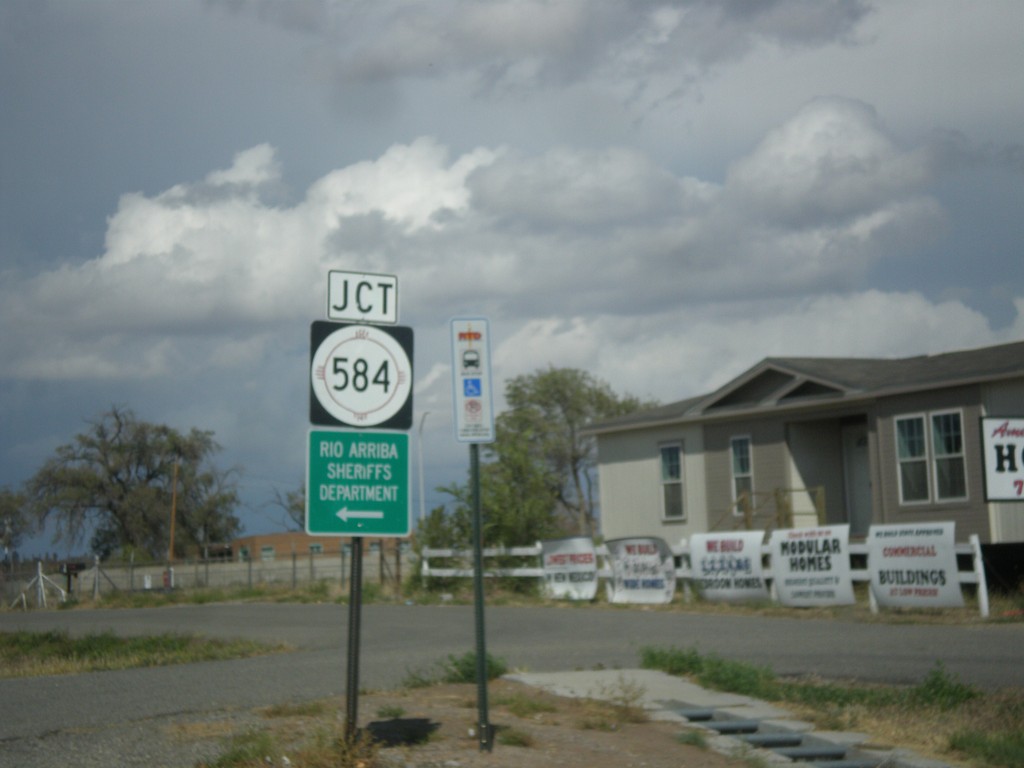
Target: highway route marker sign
{"x": 360, "y": 375}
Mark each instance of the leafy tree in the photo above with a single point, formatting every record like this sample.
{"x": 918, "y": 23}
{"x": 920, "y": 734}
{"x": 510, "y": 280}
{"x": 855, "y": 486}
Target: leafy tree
{"x": 14, "y": 522}
{"x": 538, "y": 480}
{"x": 294, "y": 505}
{"x": 441, "y": 529}
{"x": 119, "y": 479}
{"x": 548, "y": 411}
{"x": 517, "y": 498}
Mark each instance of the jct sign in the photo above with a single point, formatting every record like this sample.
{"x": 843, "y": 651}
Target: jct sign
{"x": 1003, "y": 446}
{"x": 362, "y": 297}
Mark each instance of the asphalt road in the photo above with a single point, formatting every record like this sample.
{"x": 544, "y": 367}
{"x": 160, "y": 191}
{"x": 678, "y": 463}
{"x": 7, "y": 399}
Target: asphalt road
{"x": 399, "y": 640}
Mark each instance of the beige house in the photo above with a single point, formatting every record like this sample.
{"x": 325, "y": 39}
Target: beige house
{"x": 798, "y": 441}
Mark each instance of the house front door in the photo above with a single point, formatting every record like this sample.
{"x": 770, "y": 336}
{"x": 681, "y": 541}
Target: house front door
{"x": 857, "y": 478}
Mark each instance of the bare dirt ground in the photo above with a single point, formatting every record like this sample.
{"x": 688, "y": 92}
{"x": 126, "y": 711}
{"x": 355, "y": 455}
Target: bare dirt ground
{"x": 533, "y": 729}
{"x": 552, "y": 731}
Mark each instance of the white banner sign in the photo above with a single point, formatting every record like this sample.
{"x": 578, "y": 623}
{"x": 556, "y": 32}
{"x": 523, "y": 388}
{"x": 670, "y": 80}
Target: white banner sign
{"x": 643, "y": 571}
{"x": 570, "y": 568}
{"x": 1003, "y": 450}
{"x": 914, "y": 565}
{"x": 811, "y": 566}
{"x": 727, "y": 567}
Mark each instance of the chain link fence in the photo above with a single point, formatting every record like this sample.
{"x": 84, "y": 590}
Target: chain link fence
{"x": 31, "y": 583}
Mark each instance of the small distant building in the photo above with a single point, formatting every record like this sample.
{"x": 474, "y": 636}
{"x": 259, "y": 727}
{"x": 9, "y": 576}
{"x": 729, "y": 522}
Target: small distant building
{"x": 268, "y": 547}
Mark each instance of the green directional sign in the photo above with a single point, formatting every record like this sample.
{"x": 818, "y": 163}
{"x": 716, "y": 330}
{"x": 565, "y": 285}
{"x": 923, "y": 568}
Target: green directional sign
{"x": 357, "y": 483}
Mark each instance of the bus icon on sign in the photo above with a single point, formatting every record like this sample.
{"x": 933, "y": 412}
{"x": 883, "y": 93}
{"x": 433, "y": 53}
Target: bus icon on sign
{"x": 470, "y": 359}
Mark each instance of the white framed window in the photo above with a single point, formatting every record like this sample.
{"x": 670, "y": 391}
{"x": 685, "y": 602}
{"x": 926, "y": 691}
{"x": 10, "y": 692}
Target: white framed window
{"x": 672, "y": 482}
{"x": 912, "y": 459}
{"x": 930, "y": 457}
{"x": 948, "y": 456}
{"x": 267, "y": 553}
{"x": 316, "y": 548}
{"x": 742, "y": 469}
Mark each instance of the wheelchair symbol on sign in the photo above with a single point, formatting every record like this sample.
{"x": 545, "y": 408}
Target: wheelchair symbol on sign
{"x": 471, "y": 388}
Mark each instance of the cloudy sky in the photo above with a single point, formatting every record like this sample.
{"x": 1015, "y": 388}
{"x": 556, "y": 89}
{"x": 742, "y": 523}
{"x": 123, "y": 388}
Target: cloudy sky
{"x": 660, "y": 193}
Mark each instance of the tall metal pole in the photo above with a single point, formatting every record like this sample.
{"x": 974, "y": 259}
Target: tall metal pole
{"x": 174, "y": 509}
{"x": 483, "y": 724}
{"x": 419, "y": 442}
{"x": 355, "y": 608}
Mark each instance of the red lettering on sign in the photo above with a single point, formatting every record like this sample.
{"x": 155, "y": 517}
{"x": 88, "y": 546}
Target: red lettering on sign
{"x": 1005, "y": 430}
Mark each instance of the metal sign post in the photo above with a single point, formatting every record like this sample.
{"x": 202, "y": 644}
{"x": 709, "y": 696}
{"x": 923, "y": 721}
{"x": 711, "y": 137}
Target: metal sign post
{"x": 474, "y": 424}
{"x": 485, "y": 732}
{"x": 355, "y": 611}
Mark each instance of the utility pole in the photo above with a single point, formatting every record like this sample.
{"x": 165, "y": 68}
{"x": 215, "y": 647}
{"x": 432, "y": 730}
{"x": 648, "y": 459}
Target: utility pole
{"x": 174, "y": 505}
{"x": 419, "y": 442}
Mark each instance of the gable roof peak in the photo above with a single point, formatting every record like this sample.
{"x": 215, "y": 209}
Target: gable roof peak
{"x": 794, "y": 381}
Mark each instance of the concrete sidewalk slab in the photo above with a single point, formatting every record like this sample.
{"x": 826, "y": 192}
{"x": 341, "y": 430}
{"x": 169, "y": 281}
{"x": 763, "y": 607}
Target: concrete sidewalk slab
{"x": 665, "y": 697}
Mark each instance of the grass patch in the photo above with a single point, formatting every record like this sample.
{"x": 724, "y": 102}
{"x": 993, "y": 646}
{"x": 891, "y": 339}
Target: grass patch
{"x": 296, "y": 709}
{"x": 321, "y": 591}
{"x": 597, "y": 723}
{"x": 416, "y": 678}
{"x": 455, "y": 669}
{"x": 513, "y": 737}
{"x": 996, "y": 749}
{"x": 327, "y": 749}
{"x": 390, "y": 712}
{"x": 693, "y": 738}
{"x": 524, "y": 705}
{"x": 247, "y": 749}
{"x": 615, "y": 706}
{"x": 626, "y": 701}
{"x": 30, "y": 654}
{"x": 940, "y": 715}
{"x": 462, "y": 669}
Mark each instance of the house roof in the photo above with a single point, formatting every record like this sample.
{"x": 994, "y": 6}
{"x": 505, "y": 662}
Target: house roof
{"x": 811, "y": 382}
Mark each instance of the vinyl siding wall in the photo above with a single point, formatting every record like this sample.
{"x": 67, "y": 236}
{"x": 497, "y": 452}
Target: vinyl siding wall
{"x": 629, "y": 473}
{"x": 770, "y": 465}
{"x": 971, "y": 515}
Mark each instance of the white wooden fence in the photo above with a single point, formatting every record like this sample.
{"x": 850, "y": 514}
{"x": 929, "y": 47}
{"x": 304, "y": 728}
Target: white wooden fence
{"x": 532, "y": 567}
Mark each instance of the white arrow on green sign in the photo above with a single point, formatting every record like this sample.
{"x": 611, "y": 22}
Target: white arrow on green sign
{"x": 357, "y": 483}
